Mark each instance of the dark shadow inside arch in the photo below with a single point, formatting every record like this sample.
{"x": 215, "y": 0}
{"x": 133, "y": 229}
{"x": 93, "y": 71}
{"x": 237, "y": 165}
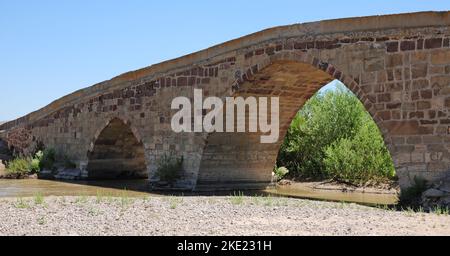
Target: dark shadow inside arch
{"x": 117, "y": 154}
{"x": 5, "y": 152}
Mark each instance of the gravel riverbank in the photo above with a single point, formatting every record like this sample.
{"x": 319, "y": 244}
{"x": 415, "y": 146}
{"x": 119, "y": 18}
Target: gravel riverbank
{"x": 207, "y": 216}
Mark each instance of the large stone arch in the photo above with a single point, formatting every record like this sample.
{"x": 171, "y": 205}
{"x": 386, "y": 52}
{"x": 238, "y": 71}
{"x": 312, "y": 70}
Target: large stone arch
{"x": 239, "y": 160}
{"x": 117, "y": 152}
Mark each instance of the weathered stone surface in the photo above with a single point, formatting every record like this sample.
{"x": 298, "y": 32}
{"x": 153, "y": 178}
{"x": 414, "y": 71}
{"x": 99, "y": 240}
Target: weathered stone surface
{"x": 432, "y": 43}
{"x": 397, "y": 65}
{"x": 440, "y": 57}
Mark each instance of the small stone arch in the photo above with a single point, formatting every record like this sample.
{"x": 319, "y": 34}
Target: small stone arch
{"x": 126, "y": 121}
{"x": 117, "y": 152}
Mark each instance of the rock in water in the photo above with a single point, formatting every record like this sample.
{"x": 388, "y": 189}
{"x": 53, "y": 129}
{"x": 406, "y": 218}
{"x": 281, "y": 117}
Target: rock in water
{"x": 433, "y": 193}
{"x": 68, "y": 174}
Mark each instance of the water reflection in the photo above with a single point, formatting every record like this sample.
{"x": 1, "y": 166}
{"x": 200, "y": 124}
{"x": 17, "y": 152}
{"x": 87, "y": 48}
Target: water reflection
{"x": 27, "y": 188}
{"x": 136, "y": 188}
{"x": 300, "y": 190}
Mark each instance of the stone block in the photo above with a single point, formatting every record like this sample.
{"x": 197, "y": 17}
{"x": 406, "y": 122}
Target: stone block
{"x": 440, "y": 81}
{"x": 440, "y": 57}
{"x": 432, "y": 43}
{"x": 408, "y": 45}
{"x": 403, "y": 127}
{"x": 392, "y": 46}
{"x": 419, "y": 71}
{"x": 422, "y": 105}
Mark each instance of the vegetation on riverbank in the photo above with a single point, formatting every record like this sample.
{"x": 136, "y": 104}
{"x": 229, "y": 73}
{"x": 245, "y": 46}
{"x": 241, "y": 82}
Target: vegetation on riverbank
{"x": 334, "y": 137}
{"x": 23, "y": 167}
{"x": 169, "y": 168}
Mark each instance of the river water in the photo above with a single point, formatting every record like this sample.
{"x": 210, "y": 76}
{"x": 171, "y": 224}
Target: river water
{"x": 136, "y": 188}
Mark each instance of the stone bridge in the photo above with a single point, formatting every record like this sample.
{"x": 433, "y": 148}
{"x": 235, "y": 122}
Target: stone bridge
{"x": 397, "y": 65}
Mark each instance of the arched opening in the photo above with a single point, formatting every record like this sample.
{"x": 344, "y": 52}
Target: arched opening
{"x": 333, "y": 143}
{"x": 240, "y": 160}
{"x": 117, "y": 154}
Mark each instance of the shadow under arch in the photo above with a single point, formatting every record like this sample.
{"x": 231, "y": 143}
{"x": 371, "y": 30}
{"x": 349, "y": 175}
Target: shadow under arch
{"x": 117, "y": 152}
{"x": 5, "y": 152}
{"x": 239, "y": 160}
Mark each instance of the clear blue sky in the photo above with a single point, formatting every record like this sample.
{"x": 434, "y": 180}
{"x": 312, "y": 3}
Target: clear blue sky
{"x": 51, "y": 48}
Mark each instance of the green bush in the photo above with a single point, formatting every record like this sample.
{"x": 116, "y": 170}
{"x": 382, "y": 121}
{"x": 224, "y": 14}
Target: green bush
{"x": 280, "y": 173}
{"x": 23, "y": 166}
{"x": 359, "y": 160}
{"x": 47, "y": 159}
{"x": 333, "y": 136}
{"x": 34, "y": 165}
{"x": 169, "y": 168}
{"x": 19, "y": 167}
{"x": 36, "y": 161}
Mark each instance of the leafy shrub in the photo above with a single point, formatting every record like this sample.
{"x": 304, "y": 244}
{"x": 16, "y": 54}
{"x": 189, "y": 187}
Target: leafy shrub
{"x": 342, "y": 162}
{"x": 34, "y": 165}
{"x": 169, "y": 168}
{"x": 22, "y": 166}
{"x": 280, "y": 173}
{"x": 359, "y": 160}
{"x": 333, "y": 136}
{"x": 47, "y": 159}
{"x": 19, "y": 167}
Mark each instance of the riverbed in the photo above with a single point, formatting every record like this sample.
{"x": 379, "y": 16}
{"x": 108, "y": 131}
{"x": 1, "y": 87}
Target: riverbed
{"x": 207, "y": 215}
{"x": 137, "y": 188}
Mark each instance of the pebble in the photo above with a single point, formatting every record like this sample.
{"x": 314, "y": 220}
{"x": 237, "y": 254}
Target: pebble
{"x": 194, "y": 216}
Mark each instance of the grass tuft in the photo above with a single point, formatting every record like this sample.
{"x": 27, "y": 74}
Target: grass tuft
{"x": 81, "y": 199}
{"x": 39, "y": 199}
{"x": 174, "y": 202}
{"x": 237, "y": 198}
{"x": 21, "y": 204}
